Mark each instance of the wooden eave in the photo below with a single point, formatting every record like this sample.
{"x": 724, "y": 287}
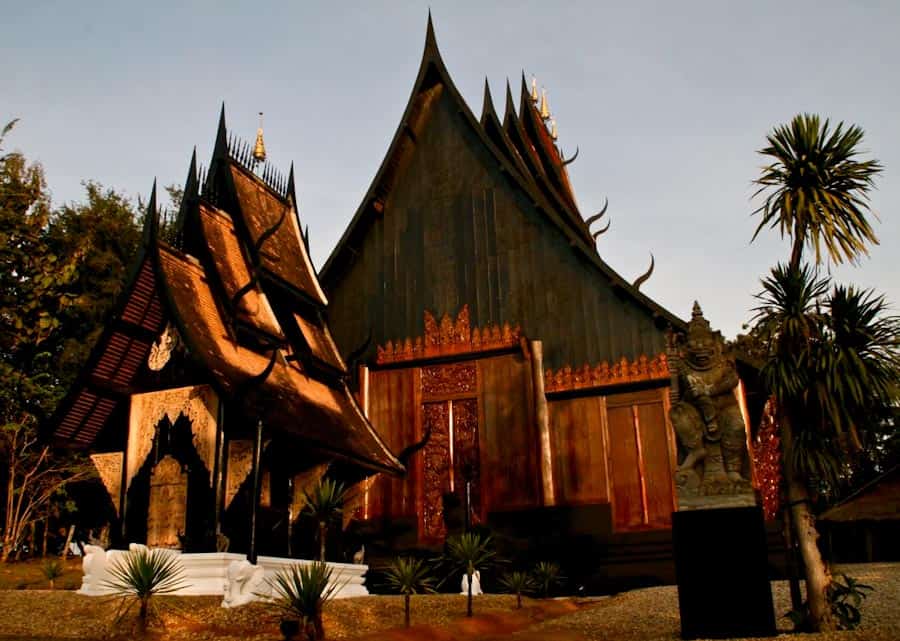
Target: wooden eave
{"x": 492, "y": 126}
{"x": 433, "y": 73}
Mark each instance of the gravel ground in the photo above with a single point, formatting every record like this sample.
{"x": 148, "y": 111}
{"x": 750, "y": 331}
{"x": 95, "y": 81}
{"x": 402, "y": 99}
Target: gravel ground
{"x": 652, "y": 614}
{"x": 641, "y": 615}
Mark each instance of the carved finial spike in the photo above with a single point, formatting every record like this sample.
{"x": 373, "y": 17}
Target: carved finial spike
{"x": 640, "y": 280}
{"x": 696, "y": 312}
{"x": 259, "y": 150}
{"x": 534, "y": 91}
{"x": 545, "y": 105}
{"x": 554, "y": 134}
{"x": 570, "y": 160}
{"x": 600, "y": 232}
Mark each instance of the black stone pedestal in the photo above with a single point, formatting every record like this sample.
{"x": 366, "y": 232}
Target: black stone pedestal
{"x": 721, "y": 565}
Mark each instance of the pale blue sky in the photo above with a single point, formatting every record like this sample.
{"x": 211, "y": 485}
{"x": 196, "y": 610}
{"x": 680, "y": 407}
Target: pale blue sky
{"x": 667, "y": 101}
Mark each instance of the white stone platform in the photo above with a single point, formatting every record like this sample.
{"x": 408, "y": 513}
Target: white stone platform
{"x": 208, "y": 574}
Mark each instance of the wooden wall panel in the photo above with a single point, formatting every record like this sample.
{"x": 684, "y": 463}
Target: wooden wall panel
{"x": 510, "y": 443}
{"x": 657, "y": 468}
{"x": 627, "y": 501}
{"x": 393, "y": 411}
{"x": 579, "y": 455}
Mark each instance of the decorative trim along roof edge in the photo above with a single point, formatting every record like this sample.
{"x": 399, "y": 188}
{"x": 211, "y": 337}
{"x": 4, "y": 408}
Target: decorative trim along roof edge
{"x": 448, "y": 338}
{"x": 603, "y": 375}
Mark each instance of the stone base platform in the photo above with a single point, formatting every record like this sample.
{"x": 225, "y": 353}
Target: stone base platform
{"x": 219, "y": 574}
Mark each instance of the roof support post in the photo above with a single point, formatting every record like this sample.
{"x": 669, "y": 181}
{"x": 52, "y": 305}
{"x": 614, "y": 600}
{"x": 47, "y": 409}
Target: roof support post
{"x": 542, "y": 416}
{"x": 219, "y": 472}
{"x": 254, "y": 502}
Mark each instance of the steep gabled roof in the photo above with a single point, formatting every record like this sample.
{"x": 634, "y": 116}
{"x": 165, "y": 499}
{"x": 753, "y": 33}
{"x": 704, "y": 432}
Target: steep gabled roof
{"x": 431, "y": 82}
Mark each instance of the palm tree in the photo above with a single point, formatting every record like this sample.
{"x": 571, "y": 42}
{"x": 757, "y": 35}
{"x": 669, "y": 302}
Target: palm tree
{"x": 324, "y": 503}
{"x": 302, "y": 591}
{"x": 517, "y": 583}
{"x": 408, "y": 576}
{"x": 546, "y": 575}
{"x": 469, "y": 552}
{"x": 816, "y": 192}
{"x": 833, "y": 357}
{"x": 141, "y": 574}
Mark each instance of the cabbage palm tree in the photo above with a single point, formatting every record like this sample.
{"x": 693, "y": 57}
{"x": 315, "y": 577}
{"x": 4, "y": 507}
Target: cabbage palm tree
{"x": 302, "y": 591}
{"x": 408, "y": 576}
{"x": 324, "y": 503}
{"x": 816, "y": 191}
{"x": 141, "y": 574}
{"x": 518, "y": 583}
{"x": 469, "y": 552}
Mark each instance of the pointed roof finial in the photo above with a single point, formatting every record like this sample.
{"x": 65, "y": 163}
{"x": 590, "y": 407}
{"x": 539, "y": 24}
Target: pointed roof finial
{"x": 259, "y": 150}
{"x": 553, "y": 133}
{"x": 534, "y": 93}
{"x": 545, "y": 107}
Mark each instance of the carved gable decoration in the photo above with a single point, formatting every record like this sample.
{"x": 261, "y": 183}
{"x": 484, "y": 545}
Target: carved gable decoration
{"x": 167, "y": 514}
{"x": 603, "y": 375}
{"x": 449, "y": 337}
{"x": 109, "y": 468}
{"x": 162, "y": 349}
{"x": 199, "y": 404}
{"x": 240, "y": 464}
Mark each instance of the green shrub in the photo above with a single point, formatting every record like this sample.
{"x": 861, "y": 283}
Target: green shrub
{"x": 469, "y": 552}
{"x": 517, "y": 583}
{"x": 301, "y": 591}
{"x": 846, "y": 595}
{"x": 52, "y": 569}
{"x": 547, "y": 575}
{"x": 139, "y": 575}
{"x": 408, "y": 576}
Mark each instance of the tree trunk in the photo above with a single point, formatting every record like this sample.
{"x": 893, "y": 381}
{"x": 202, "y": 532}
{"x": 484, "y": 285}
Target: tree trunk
{"x": 142, "y": 615}
{"x": 323, "y": 531}
{"x": 518, "y": 600}
{"x": 44, "y": 535}
{"x": 817, "y": 579}
{"x": 469, "y": 603}
{"x": 406, "y": 613}
{"x": 790, "y": 551}
{"x": 65, "y": 550}
{"x": 317, "y": 625}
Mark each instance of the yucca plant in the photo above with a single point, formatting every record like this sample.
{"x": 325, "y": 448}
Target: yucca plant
{"x": 324, "y": 503}
{"x": 469, "y": 552}
{"x": 301, "y": 591}
{"x": 546, "y": 575}
{"x": 52, "y": 569}
{"x": 139, "y": 575}
{"x": 408, "y": 576}
{"x": 517, "y": 583}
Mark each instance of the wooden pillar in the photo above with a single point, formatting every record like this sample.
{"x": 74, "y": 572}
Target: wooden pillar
{"x": 254, "y": 501}
{"x": 219, "y": 471}
{"x": 542, "y": 416}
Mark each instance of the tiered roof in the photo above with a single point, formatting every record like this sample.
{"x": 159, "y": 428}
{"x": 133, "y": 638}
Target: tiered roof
{"x": 238, "y": 285}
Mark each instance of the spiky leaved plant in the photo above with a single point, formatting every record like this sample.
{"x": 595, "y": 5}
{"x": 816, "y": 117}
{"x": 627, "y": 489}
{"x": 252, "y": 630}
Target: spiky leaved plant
{"x": 139, "y": 575}
{"x": 546, "y": 575}
{"x": 517, "y": 583}
{"x": 469, "y": 552}
{"x": 301, "y": 591}
{"x": 323, "y": 503}
{"x": 52, "y": 569}
{"x": 408, "y": 576}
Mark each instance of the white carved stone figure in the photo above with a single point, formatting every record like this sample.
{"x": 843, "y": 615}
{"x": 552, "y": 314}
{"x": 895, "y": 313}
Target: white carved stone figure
{"x": 244, "y": 582}
{"x": 360, "y": 556}
{"x": 476, "y": 584}
{"x": 94, "y": 565}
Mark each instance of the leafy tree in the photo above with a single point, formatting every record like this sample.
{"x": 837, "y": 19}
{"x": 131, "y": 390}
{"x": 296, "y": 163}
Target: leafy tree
{"x": 816, "y": 192}
{"x": 324, "y": 503}
{"x": 469, "y": 552}
{"x": 33, "y": 297}
{"x": 408, "y": 576}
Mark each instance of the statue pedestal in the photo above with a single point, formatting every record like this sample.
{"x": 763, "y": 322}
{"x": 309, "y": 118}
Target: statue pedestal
{"x": 721, "y": 566}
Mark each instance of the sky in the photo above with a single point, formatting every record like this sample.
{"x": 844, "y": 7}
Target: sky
{"x": 667, "y": 102}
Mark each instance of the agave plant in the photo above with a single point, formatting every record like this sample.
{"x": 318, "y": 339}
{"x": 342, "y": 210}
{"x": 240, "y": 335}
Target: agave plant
{"x": 546, "y": 575}
{"x": 141, "y": 574}
{"x": 301, "y": 591}
{"x": 324, "y": 503}
{"x": 52, "y": 569}
{"x": 408, "y": 576}
{"x": 469, "y": 552}
{"x": 517, "y": 583}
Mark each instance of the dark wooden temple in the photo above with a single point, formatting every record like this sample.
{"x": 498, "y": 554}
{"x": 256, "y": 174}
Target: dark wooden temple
{"x": 484, "y": 321}
{"x": 216, "y": 392}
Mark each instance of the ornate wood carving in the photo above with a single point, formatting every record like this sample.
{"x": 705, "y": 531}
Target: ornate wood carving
{"x": 240, "y": 463}
{"x": 162, "y": 349}
{"x": 109, "y": 468}
{"x": 436, "y": 470}
{"x": 449, "y": 337}
{"x": 466, "y": 461}
{"x": 445, "y": 380}
{"x": 767, "y": 460}
{"x": 198, "y": 403}
{"x": 167, "y": 514}
{"x": 604, "y": 374}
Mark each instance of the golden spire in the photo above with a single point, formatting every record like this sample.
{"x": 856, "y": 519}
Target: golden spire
{"x": 553, "y": 133}
{"x": 259, "y": 150}
{"x": 545, "y": 108}
{"x": 534, "y": 93}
